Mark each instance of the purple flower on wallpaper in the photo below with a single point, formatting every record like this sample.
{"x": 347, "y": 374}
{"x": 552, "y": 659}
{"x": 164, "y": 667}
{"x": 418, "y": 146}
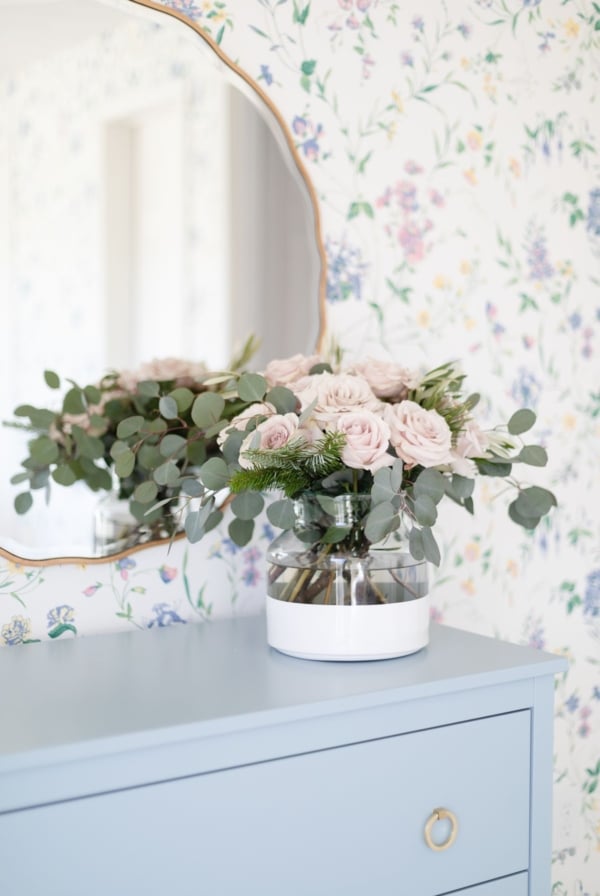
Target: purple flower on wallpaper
{"x": 167, "y": 573}
{"x": 464, "y": 29}
{"x": 345, "y": 270}
{"x": 593, "y": 215}
{"x": 412, "y": 167}
{"x": 411, "y": 238}
{"x": 309, "y": 134}
{"x": 526, "y": 389}
{"x": 537, "y": 259}
{"x": 230, "y": 546}
{"x": 575, "y": 320}
{"x": 191, "y": 8}
{"x": 164, "y": 615}
{"x": 546, "y": 37}
{"x": 572, "y": 703}
{"x": 591, "y": 599}
{"x": 407, "y": 59}
{"x": 418, "y": 24}
{"x": 124, "y": 565}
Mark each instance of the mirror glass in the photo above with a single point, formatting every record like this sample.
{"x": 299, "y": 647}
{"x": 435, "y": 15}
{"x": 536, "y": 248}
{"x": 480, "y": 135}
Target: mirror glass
{"x": 150, "y": 207}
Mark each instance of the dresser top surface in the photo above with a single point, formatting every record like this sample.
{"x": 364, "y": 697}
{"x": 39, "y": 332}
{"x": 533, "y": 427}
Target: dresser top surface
{"x": 222, "y": 676}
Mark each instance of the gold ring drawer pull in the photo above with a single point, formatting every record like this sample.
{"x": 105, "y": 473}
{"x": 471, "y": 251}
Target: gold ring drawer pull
{"x": 440, "y": 815}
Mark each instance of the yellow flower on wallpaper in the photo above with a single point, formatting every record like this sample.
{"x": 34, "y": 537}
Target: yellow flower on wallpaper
{"x": 571, "y": 28}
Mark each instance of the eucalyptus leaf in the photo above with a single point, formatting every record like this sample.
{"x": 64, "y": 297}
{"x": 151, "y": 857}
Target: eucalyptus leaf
{"x": 73, "y": 402}
{"x": 534, "y": 455}
{"x": 335, "y": 534}
{"x": 430, "y": 546}
{"x": 87, "y": 446}
{"x": 196, "y": 452}
{"x": 39, "y": 479}
{"x": 195, "y": 522}
{"x": 521, "y": 421}
{"x": 281, "y": 514}
{"x": 148, "y": 388}
{"x": 425, "y": 510}
{"x": 283, "y": 399}
{"x": 149, "y": 457}
{"x": 191, "y": 487}
{"x": 52, "y": 379}
{"x": 168, "y": 407}
{"x": 23, "y": 502}
{"x": 18, "y": 478}
{"x": 167, "y": 474}
{"x": 129, "y": 426}
{"x": 328, "y": 504}
{"x": 381, "y": 520}
{"x": 534, "y": 501}
{"x": 527, "y": 522}
{"x": 64, "y": 475}
{"x": 415, "y": 544}
{"x": 431, "y": 484}
{"x": 43, "y": 451}
{"x": 214, "y": 518}
{"x": 183, "y": 397}
{"x": 252, "y": 387}
{"x": 382, "y": 490}
{"x": 247, "y": 505}
{"x": 145, "y": 492}
{"x": 207, "y": 409}
{"x": 241, "y": 531}
{"x": 231, "y": 446}
{"x": 42, "y": 418}
{"x": 124, "y": 464}
{"x": 173, "y": 445}
{"x": 462, "y": 486}
{"x": 491, "y": 468}
{"x": 214, "y": 474}
{"x": 92, "y": 394}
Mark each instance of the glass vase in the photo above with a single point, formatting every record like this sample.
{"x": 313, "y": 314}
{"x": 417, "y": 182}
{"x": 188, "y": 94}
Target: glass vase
{"x": 351, "y": 600}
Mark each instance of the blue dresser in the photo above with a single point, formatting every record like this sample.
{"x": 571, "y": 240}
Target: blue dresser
{"x": 197, "y": 760}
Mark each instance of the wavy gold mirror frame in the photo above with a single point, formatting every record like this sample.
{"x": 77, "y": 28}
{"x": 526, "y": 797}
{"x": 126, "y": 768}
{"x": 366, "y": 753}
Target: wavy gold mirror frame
{"x": 266, "y": 101}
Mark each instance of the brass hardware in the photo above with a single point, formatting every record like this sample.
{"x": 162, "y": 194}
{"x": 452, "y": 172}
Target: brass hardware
{"x": 439, "y": 815}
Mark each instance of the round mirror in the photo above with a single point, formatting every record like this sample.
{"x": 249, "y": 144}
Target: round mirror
{"x": 152, "y": 205}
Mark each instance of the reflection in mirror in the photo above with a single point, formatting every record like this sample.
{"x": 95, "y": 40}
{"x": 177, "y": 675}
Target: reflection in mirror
{"x": 147, "y": 209}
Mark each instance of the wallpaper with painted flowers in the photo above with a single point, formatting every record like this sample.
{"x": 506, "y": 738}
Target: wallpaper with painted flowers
{"x": 455, "y": 152}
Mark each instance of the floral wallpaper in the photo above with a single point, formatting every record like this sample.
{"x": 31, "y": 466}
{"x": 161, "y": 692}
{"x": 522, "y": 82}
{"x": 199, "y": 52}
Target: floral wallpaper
{"x": 454, "y": 148}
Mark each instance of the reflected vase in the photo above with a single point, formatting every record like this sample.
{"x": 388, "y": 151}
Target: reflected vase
{"x": 348, "y": 601}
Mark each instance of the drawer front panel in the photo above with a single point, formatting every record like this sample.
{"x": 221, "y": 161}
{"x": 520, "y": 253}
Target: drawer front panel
{"x": 516, "y": 885}
{"x": 345, "y": 820}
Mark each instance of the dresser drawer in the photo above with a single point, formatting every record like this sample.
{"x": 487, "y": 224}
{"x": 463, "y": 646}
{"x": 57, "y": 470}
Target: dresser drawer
{"x": 516, "y": 885}
{"x": 348, "y": 820}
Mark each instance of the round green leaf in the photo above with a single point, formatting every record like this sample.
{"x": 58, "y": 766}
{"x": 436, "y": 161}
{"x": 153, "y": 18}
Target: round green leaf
{"x": 241, "y": 531}
{"x": 430, "y": 546}
{"x": 425, "y": 510}
{"x": 92, "y": 394}
{"x": 64, "y": 475}
{"x": 167, "y": 474}
{"x": 173, "y": 445}
{"x": 462, "y": 486}
{"x": 214, "y": 474}
{"x": 431, "y": 484}
{"x": 149, "y": 457}
{"x": 43, "y": 451}
{"x": 124, "y": 464}
{"x": 534, "y": 455}
{"x": 281, "y": 514}
{"x": 247, "y": 505}
{"x": 183, "y": 397}
{"x": 252, "y": 387}
{"x": 148, "y": 389}
{"x": 73, "y": 402}
{"x": 521, "y": 421}
{"x": 145, "y": 492}
{"x": 207, "y": 409}
{"x": 192, "y": 487}
{"x": 52, "y": 379}
{"x": 23, "y": 502}
{"x": 87, "y": 446}
{"x": 382, "y": 520}
{"x": 129, "y": 426}
{"x": 168, "y": 407}
{"x": 415, "y": 544}
{"x": 534, "y": 501}
{"x": 283, "y": 399}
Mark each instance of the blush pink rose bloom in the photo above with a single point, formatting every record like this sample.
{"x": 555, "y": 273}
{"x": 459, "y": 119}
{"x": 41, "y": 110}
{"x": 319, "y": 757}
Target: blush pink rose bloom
{"x": 258, "y": 409}
{"x": 387, "y": 379}
{"x": 182, "y": 372}
{"x": 283, "y": 371}
{"x": 340, "y": 394}
{"x": 271, "y": 434}
{"x": 367, "y": 440}
{"x": 471, "y": 442}
{"x": 419, "y": 436}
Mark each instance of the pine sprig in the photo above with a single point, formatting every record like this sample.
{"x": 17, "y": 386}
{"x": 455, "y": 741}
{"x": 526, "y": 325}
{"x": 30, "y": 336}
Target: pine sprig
{"x": 292, "y": 468}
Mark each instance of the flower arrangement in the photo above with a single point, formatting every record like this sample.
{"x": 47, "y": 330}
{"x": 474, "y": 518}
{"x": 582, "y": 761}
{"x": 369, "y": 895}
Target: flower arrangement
{"x": 401, "y": 440}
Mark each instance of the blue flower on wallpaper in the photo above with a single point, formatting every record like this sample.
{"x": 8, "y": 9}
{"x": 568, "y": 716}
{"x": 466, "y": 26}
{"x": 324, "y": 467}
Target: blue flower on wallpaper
{"x": 593, "y": 215}
{"x": 164, "y": 615}
{"x": 265, "y": 75}
{"x": 268, "y": 532}
{"x": 345, "y": 271}
{"x": 418, "y": 24}
{"x": 539, "y": 266}
{"x": 60, "y": 615}
{"x": 167, "y": 573}
{"x": 309, "y": 134}
{"x": 572, "y": 703}
{"x": 123, "y": 566}
{"x": 591, "y": 599}
{"x": 575, "y": 320}
{"x": 526, "y": 389}
{"x": 17, "y": 631}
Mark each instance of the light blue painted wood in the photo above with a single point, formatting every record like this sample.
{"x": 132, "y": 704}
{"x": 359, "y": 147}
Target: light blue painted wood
{"x": 506, "y": 886}
{"x": 116, "y": 712}
{"x": 349, "y": 820}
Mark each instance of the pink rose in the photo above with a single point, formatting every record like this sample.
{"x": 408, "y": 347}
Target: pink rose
{"x": 258, "y": 409}
{"x": 283, "y": 371}
{"x": 340, "y": 394}
{"x": 271, "y": 434}
{"x": 183, "y": 373}
{"x": 472, "y": 441}
{"x": 419, "y": 436}
{"x": 387, "y": 379}
{"x": 367, "y": 440}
